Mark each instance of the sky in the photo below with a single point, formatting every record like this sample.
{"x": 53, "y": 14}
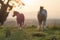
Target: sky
{"x": 31, "y": 8}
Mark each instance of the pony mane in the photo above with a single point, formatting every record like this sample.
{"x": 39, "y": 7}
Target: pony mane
{"x": 16, "y": 12}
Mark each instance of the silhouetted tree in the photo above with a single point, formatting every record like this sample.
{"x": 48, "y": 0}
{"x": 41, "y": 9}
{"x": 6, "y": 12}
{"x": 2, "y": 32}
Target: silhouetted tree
{"x": 3, "y": 12}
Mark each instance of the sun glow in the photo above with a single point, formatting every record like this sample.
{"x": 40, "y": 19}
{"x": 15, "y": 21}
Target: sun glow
{"x": 27, "y": 1}
{"x": 32, "y": 1}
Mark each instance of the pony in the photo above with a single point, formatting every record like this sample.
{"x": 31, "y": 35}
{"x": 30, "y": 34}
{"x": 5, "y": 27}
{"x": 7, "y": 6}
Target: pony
{"x": 41, "y": 21}
{"x": 20, "y": 19}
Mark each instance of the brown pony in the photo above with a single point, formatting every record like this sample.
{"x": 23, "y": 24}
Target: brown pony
{"x": 20, "y": 19}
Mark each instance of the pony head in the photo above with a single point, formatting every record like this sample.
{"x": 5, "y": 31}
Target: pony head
{"x": 41, "y": 7}
{"x": 15, "y": 13}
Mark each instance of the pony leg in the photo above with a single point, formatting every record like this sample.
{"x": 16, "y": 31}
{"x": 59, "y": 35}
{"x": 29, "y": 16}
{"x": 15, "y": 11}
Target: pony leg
{"x": 18, "y": 26}
{"x": 44, "y": 25}
{"x": 21, "y": 26}
{"x": 39, "y": 27}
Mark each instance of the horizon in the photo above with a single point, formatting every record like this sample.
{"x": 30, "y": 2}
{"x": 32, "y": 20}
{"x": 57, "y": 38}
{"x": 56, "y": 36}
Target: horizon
{"x": 30, "y": 22}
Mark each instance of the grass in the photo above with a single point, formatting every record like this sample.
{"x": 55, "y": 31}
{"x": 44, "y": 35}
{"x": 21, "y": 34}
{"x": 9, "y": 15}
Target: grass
{"x": 28, "y": 32}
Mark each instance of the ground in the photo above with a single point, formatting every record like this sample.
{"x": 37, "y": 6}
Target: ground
{"x": 30, "y": 33}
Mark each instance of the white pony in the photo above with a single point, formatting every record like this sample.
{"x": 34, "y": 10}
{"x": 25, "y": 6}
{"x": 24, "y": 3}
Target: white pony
{"x": 42, "y": 16}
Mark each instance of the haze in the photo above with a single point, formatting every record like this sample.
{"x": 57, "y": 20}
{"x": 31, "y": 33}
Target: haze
{"x": 31, "y": 8}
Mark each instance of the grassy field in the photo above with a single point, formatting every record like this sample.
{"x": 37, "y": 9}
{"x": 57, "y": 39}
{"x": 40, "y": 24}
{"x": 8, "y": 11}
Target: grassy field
{"x": 30, "y": 33}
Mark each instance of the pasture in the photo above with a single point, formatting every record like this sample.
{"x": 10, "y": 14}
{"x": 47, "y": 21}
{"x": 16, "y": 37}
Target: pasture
{"x": 30, "y": 33}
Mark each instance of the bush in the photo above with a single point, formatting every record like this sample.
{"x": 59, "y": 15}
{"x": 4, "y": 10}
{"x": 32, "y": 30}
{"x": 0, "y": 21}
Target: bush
{"x": 39, "y": 34}
{"x": 1, "y": 27}
{"x": 19, "y": 35}
{"x": 8, "y": 33}
{"x": 54, "y": 27}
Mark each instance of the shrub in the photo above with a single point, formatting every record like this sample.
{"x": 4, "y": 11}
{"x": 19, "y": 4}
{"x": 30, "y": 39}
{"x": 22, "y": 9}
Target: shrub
{"x": 54, "y": 27}
{"x": 39, "y": 34}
